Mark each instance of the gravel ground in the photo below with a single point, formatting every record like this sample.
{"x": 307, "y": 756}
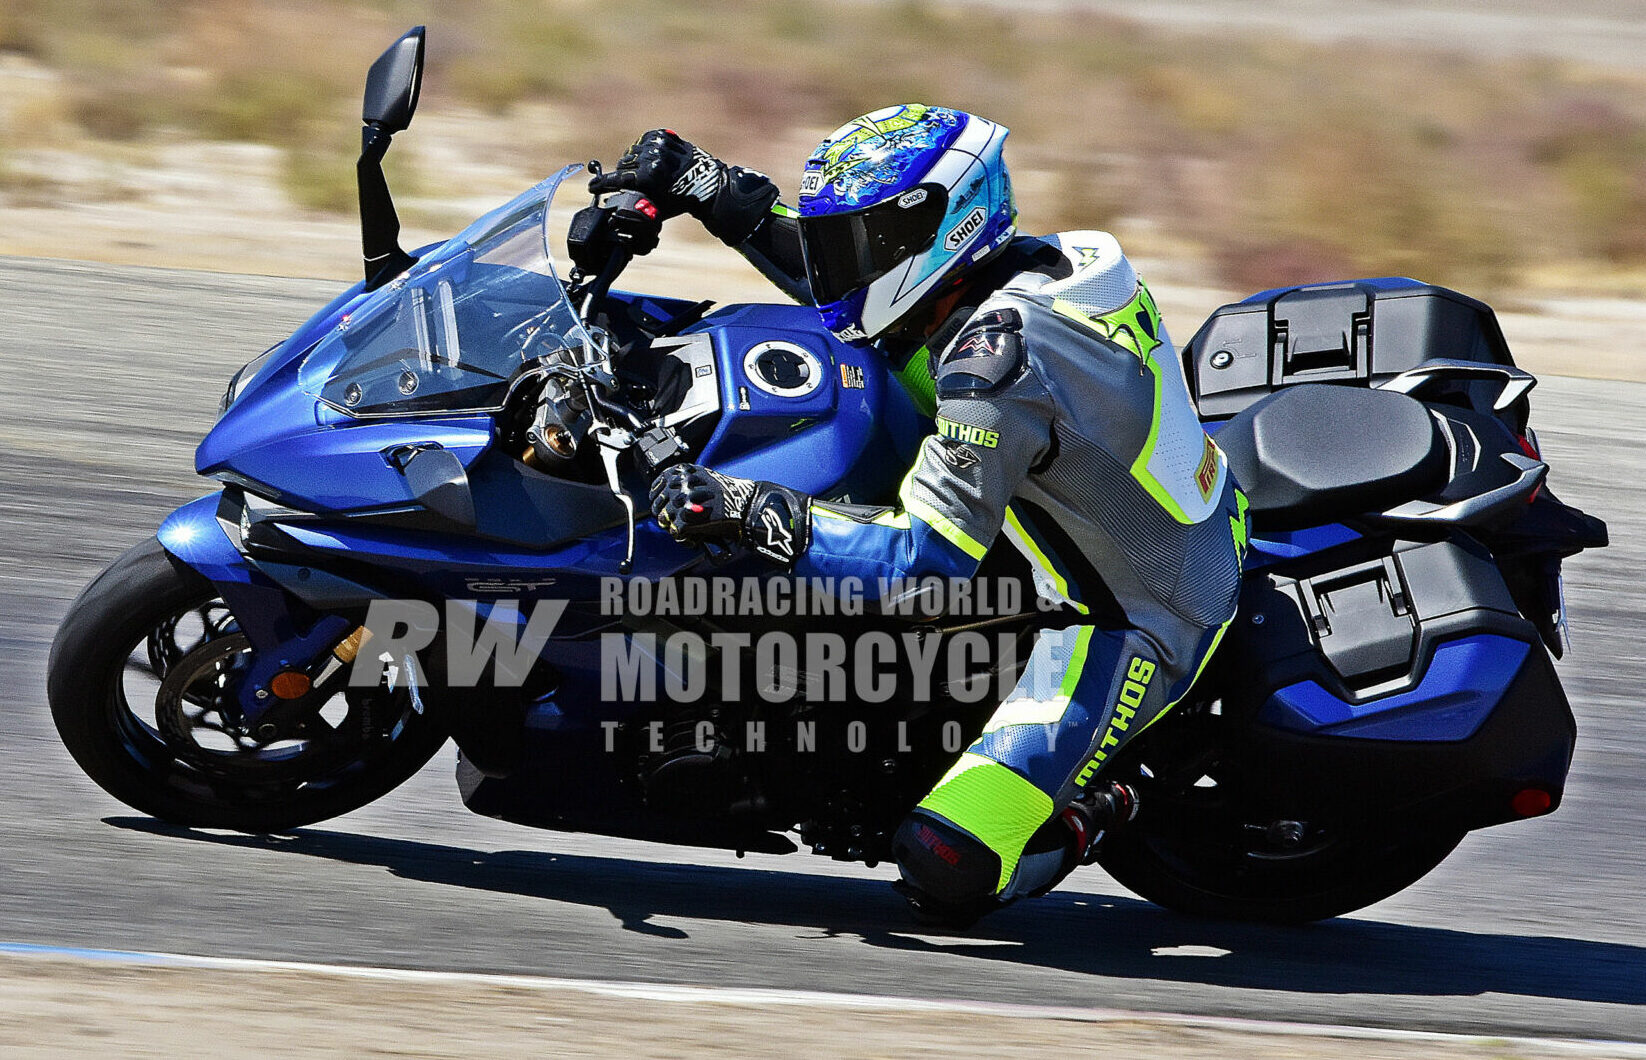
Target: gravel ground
{"x": 51, "y": 1008}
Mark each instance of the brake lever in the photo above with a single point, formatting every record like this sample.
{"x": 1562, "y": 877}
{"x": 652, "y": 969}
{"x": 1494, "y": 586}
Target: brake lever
{"x": 613, "y": 441}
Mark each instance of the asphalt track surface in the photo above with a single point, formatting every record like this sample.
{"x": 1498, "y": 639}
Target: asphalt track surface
{"x": 111, "y": 375}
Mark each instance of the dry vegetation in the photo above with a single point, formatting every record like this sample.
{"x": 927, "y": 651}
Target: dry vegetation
{"x": 1277, "y": 161}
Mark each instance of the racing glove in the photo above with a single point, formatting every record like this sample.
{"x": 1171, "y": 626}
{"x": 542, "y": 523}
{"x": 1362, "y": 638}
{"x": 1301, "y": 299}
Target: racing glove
{"x": 681, "y": 178}
{"x": 696, "y": 504}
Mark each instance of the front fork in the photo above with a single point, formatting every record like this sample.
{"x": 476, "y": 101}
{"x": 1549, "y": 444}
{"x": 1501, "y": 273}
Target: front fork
{"x": 299, "y": 653}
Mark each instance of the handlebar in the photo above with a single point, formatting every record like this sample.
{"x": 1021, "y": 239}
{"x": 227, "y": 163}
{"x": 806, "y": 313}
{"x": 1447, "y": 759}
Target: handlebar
{"x": 601, "y": 285}
{"x": 608, "y": 234}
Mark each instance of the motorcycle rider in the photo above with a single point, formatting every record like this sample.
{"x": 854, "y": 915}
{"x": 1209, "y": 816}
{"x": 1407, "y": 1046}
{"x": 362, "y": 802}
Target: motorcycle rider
{"x": 1064, "y": 426}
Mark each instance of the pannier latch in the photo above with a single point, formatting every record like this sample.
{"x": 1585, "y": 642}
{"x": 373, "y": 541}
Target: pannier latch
{"x": 1362, "y": 620}
{"x": 1322, "y": 332}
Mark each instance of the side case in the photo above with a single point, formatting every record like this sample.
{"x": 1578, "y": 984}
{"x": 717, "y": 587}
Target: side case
{"x": 1380, "y": 677}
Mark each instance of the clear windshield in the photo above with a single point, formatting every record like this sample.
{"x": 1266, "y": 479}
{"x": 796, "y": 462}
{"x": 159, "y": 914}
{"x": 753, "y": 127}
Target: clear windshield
{"x": 454, "y": 331}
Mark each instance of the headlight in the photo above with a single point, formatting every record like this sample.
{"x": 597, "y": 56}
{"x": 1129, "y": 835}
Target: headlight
{"x": 242, "y": 378}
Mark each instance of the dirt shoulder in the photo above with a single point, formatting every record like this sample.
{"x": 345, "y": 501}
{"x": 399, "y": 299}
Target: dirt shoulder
{"x": 67, "y": 1007}
{"x": 1595, "y": 338}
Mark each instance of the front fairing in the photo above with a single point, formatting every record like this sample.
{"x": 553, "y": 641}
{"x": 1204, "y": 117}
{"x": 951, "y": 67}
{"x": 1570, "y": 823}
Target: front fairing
{"x": 290, "y": 432}
{"x": 286, "y": 445}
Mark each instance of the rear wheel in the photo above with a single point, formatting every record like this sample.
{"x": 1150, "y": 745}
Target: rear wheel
{"x": 1209, "y": 842}
{"x": 143, "y": 682}
{"x": 1225, "y": 870}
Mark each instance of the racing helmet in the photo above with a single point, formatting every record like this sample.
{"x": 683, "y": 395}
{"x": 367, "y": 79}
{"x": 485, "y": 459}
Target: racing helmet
{"x": 896, "y": 204}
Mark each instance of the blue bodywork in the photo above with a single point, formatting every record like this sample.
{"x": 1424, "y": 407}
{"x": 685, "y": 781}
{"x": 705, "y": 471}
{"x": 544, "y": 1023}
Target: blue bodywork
{"x": 346, "y": 515}
{"x": 1461, "y": 687}
{"x": 854, "y": 434}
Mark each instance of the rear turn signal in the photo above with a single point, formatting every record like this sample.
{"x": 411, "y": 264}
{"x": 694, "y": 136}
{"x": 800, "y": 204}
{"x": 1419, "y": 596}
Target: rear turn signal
{"x": 1531, "y": 802}
{"x": 1528, "y": 445}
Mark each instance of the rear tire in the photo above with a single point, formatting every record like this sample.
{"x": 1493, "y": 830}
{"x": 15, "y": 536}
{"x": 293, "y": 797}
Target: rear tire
{"x": 1211, "y": 870}
{"x": 125, "y": 632}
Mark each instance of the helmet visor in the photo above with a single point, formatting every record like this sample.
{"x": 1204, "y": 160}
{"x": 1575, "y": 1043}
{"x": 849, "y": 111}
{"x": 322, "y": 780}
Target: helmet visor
{"x": 847, "y": 251}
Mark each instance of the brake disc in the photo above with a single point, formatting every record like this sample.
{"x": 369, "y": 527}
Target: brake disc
{"x": 199, "y": 694}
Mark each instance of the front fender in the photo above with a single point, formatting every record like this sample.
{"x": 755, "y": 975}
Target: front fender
{"x": 195, "y": 535}
{"x": 285, "y": 632}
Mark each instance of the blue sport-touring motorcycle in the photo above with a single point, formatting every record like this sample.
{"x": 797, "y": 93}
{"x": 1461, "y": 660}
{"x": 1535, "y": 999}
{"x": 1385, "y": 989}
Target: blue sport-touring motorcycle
{"x": 468, "y": 430}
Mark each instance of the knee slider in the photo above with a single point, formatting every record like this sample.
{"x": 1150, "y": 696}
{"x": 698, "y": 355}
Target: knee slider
{"x": 944, "y": 861}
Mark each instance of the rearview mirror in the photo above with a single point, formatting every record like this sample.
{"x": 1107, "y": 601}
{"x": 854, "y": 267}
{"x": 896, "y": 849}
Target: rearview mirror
{"x": 393, "y": 82}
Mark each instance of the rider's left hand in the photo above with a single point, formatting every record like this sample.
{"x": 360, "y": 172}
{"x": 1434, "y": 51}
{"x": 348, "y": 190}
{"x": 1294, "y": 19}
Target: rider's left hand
{"x": 678, "y": 176}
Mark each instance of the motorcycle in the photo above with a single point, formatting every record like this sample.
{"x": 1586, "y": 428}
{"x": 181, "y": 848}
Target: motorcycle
{"x": 465, "y": 430}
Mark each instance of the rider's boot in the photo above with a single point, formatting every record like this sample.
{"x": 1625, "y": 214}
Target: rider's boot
{"x": 948, "y": 876}
{"x": 1093, "y": 815}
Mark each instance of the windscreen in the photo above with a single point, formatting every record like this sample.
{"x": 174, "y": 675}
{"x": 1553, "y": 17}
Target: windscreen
{"x": 453, "y": 332}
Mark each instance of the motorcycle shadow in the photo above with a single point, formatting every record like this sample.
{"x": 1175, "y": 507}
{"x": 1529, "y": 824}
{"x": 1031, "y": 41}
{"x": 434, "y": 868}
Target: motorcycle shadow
{"x": 1084, "y": 933}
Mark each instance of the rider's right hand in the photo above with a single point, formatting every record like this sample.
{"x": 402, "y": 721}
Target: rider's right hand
{"x": 677, "y": 177}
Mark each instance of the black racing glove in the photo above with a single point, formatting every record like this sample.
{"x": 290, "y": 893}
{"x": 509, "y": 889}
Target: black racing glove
{"x": 680, "y": 178}
{"x": 694, "y": 503}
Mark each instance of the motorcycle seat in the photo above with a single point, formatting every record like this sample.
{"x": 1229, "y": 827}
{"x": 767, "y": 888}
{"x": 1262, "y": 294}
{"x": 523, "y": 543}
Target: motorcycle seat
{"x": 1316, "y": 453}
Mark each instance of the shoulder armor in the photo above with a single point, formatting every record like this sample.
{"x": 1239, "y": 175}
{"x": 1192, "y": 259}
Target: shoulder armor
{"x": 1103, "y": 280}
{"x": 984, "y": 357}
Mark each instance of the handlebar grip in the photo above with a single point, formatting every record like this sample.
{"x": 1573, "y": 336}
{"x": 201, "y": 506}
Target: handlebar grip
{"x": 586, "y": 239}
{"x": 625, "y": 220}
{"x": 634, "y": 221}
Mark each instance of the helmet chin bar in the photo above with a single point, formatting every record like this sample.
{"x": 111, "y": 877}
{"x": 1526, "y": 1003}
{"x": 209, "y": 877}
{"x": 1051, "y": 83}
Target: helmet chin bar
{"x": 923, "y": 296}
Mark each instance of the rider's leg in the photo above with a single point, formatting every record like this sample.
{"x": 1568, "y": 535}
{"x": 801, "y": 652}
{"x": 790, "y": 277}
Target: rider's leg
{"x": 995, "y": 827}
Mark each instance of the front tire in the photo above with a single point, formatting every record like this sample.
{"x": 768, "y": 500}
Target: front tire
{"x": 149, "y": 615}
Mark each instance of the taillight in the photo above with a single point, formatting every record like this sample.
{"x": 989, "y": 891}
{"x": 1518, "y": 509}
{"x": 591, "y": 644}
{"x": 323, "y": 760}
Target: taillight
{"x": 1531, "y": 802}
{"x": 1528, "y": 445}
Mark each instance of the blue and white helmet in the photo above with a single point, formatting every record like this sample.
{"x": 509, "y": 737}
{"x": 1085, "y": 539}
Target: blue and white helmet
{"x": 894, "y": 205}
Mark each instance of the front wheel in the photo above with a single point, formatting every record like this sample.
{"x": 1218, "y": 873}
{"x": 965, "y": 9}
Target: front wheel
{"x": 142, "y": 684}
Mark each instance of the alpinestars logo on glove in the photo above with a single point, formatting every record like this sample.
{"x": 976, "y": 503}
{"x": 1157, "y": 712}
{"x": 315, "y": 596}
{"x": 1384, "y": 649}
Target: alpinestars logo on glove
{"x": 776, "y": 523}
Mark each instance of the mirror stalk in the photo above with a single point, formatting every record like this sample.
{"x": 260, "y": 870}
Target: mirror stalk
{"x": 379, "y": 223}
{"x": 392, "y": 87}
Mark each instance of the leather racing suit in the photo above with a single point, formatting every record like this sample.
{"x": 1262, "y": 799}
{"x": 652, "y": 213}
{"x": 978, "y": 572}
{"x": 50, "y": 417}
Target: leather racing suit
{"x": 1064, "y": 427}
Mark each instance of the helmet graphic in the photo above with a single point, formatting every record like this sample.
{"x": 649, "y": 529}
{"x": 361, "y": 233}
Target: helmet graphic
{"x": 896, "y": 203}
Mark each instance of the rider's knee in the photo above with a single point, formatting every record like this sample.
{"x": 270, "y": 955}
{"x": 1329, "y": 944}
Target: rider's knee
{"x": 945, "y": 861}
